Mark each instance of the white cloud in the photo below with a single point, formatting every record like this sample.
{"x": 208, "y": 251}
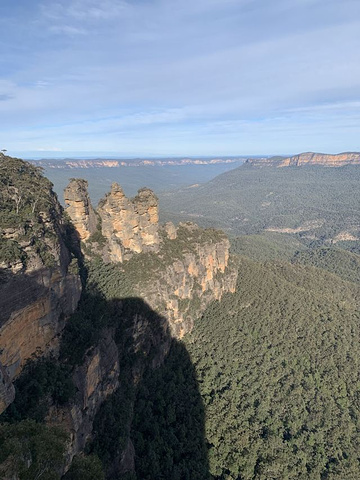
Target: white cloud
{"x": 67, "y": 30}
{"x": 203, "y": 70}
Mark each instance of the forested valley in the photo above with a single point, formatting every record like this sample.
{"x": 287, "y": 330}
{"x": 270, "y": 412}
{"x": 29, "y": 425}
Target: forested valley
{"x": 266, "y": 386}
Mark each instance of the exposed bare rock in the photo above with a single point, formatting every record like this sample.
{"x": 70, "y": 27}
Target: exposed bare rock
{"x": 95, "y": 380}
{"x": 39, "y": 282}
{"x": 327, "y": 160}
{"x": 190, "y": 271}
{"x": 79, "y": 208}
{"x": 170, "y": 230}
{"x": 309, "y": 158}
{"x": 33, "y": 313}
{"x": 129, "y": 226}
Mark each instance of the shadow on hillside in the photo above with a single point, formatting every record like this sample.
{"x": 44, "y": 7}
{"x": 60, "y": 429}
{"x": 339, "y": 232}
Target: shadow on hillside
{"x": 155, "y": 422}
{"x": 152, "y": 426}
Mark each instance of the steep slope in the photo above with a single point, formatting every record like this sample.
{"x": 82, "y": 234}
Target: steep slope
{"x": 308, "y": 158}
{"x": 177, "y": 270}
{"x": 39, "y": 283}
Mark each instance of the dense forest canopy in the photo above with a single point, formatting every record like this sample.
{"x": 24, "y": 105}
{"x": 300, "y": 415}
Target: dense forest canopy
{"x": 278, "y": 369}
{"x": 308, "y": 201}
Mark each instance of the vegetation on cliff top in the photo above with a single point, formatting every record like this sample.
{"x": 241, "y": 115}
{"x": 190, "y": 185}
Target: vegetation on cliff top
{"x": 27, "y": 205}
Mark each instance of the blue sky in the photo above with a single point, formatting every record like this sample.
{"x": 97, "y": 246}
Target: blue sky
{"x": 179, "y": 77}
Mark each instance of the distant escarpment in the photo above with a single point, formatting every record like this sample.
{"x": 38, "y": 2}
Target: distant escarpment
{"x": 39, "y": 282}
{"x": 177, "y": 270}
{"x": 309, "y": 158}
{"x": 132, "y": 163}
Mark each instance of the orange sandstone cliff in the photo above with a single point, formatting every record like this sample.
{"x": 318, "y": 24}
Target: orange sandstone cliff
{"x": 177, "y": 270}
{"x": 309, "y": 158}
{"x": 39, "y": 283}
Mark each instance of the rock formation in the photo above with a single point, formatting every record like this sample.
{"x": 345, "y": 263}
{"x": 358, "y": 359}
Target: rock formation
{"x": 192, "y": 269}
{"x": 192, "y": 263}
{"x": 123, "y": 226}
{"x": 39, "y": 283}
{"x": 79, "y": 208}
{"x": 95, "y": 380}
{"x": 170, "y": 230}
{"x": 309, "y": 158}
{"x": 129, "y": 225}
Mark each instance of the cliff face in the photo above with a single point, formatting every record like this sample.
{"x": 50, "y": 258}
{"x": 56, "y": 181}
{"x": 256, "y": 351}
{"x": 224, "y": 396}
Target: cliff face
{"x": 309, "y": 158}
{"x": 79, "y": 208}
{"x": 39, "y": 285}
{"x": 116, "y": 362}
{"x": 95, "y": 380}
{"x": 325, "y": 160}
{"x": 191, "y": 269}
{"x": 33, "y": 312}
{"x": 100, "y": 163}
{"x": 178, "y": 271}
{"x": 129, "y": 225}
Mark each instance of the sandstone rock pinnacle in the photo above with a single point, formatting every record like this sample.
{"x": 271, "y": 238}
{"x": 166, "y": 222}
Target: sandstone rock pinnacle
{"x": 79, "y": 208}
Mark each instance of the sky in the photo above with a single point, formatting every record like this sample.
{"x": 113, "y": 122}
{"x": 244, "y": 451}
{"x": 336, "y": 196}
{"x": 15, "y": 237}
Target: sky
{"x": 179, "y": 77}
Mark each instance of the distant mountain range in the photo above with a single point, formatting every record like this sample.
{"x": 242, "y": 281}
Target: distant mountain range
{"x": 308, "y": 158}
{"x": 137, "y": 162}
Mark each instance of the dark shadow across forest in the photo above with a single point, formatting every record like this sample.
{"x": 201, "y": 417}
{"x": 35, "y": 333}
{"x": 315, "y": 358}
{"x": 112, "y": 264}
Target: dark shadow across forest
{"x": 153, "y": 425}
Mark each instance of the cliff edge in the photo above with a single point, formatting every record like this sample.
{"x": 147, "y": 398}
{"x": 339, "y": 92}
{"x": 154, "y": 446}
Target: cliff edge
{"x": 308, "y": 158}
{"x": 39, "y": 282}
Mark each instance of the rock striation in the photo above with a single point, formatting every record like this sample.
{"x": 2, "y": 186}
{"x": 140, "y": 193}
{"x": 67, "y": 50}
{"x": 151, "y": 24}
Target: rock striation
{"x": 123, "y": 226}
{"x": 308, "y": 158}
{"x": 129, "y": 225}
{"x": 94, "y": 380}
{"x": 39, "y": 282}
{"x": 178, "y": 271}
{"x": 193, "y": 268}
{"x": 34, "y": 309}
{"x": 79, "y": 208}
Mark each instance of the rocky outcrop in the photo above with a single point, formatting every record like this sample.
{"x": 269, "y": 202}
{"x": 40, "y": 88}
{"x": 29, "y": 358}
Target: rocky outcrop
{"x": 309, "y": 158}
{"x": 326, "y": 160}
{"x": 129, "y": 225}
{"x": 95, "y": 380}
{"x": 193, "y": 268}
{"x": 79, "y": 208}
{"x": 34, "y": 309}
{"x": 123, "y": 226}
{"x": 170, "y": 230}
{"x": 39, "y": 282}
